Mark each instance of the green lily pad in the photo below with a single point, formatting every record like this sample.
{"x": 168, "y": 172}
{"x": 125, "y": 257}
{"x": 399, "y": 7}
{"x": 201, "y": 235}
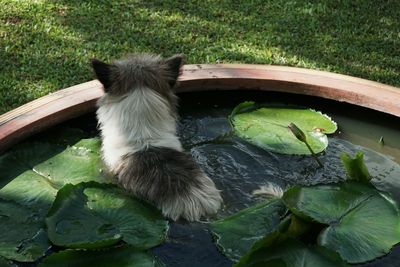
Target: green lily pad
{"x": 361, "y": 223}
{"x": 237, "y": 234}
{"x": 78, "y": 163}
{"x": 26, "y": 155}
{"x": 267, "y": 127}
{"x": 22, "y": 236}
{"x": 277, "y": 250}
{"x": 38, "y": 170}
{"x": 31, "y": 174}
{"x": 122, "y": 257}
{"x": 92, "y": 215}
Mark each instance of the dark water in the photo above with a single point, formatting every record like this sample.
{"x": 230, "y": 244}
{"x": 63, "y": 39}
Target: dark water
{"x": 239, "y": 168}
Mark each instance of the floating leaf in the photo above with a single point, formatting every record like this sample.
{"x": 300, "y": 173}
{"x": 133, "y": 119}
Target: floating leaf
{"x": 90, "y": 215}
{"x": 78, "y": 163}
{"x": 40, "y": 169}
{"x": 362, "y": 224}
{"x": 22, "y": 236}
{"x": 34, "y": 172}
{"x": 27, "y": 155}
{"x": 267, "y": 127}
{"x": 24, "y": 157}
{"x": 237, "y": 233}
{"x": 279, "y": 250}
{"x": 122, "y": 257}
{"x": 356, "y": 168}
{"x": 243, "y": 107}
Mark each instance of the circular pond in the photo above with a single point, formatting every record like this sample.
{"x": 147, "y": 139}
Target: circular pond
{"x": 238, "y": 167}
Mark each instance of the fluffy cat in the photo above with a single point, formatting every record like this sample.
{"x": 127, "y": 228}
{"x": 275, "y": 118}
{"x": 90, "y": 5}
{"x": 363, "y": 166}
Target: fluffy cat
{"x": 137, "y": 117}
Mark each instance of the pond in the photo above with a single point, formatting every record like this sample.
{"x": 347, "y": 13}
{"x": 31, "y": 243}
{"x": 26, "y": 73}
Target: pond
{"x": 238, "y": 168}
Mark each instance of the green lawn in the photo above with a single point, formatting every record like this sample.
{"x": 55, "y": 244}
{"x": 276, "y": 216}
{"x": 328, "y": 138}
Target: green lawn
{"x": 46, "y": 45}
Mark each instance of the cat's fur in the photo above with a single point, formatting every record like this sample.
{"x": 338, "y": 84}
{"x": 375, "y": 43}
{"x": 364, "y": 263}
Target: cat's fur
{"x": 137, "y": 118}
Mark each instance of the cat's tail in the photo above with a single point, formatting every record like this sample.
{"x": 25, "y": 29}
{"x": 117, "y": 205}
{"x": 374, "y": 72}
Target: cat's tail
{"x": 201, "y": 199}
{"x": 172, "y": 181}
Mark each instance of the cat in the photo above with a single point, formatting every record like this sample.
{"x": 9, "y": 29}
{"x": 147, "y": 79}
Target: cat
{"x": 137, "y": 118}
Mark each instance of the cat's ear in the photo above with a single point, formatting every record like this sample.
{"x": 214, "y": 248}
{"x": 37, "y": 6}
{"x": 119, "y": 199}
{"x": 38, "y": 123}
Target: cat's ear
{"x": 103, "y": 73}
{"x": 174, "y": 64}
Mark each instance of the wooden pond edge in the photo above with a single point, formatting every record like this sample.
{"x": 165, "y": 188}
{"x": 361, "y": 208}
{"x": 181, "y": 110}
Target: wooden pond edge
{"x": 74, "y": 101}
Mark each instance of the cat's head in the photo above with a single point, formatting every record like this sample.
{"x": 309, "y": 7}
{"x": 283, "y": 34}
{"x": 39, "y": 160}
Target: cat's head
{"x": 140, "y": 71}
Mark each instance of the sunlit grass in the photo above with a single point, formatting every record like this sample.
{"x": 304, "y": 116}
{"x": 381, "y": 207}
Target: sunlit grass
{"x": 46, "y": 45}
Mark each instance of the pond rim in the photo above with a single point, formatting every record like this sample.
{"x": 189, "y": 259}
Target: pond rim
{"x": 80, "y": 99}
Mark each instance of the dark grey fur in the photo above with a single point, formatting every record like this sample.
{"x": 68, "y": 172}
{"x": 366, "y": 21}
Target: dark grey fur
{"x": 159, "y": 174}
{"x": 142, "y": 70}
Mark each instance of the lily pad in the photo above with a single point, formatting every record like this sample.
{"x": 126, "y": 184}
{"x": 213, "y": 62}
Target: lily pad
{"x": 26, "y": 155}
{"x": 277, "y": 250}
{"x": 92, "y": 215}
{"x": 267, "y": 127}
{"x": 362, "y": 224}
{"x": 34, "y": 172}
{"x": 237, "y": 234}
{"x": 22, "y": 236}
{"x": 40, "y": 169}
{"x": 122, "y": 257}
{"x": 78, "y": 163}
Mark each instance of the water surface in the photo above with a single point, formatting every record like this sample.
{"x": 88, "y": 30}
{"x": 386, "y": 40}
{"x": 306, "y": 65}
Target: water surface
{"x": 238, "y": 168}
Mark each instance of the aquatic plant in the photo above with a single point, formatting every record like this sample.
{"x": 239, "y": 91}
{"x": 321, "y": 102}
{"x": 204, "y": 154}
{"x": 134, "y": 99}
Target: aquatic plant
{"x": 269, "y": 127}
{"x": 327, "y": 225}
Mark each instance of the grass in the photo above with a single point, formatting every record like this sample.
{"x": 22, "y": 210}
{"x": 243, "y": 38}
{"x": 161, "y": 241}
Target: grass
{"x": 46, "y": 45}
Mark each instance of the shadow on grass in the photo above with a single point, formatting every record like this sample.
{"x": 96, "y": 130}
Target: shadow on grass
{"x": 356, "y": 38}
{"x": 50, "y": 44}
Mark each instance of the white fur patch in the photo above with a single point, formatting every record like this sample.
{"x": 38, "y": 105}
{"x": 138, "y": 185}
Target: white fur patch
{"x": 269, "y": 191}
{"x": 139, "y": 120}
